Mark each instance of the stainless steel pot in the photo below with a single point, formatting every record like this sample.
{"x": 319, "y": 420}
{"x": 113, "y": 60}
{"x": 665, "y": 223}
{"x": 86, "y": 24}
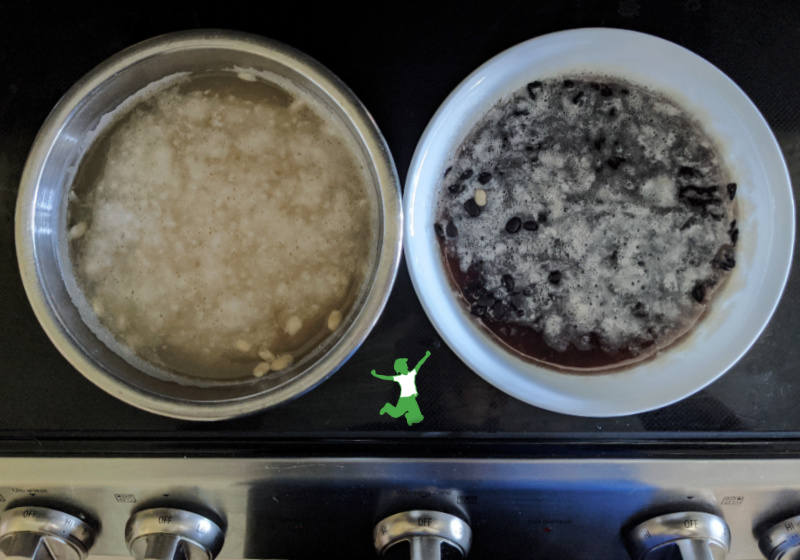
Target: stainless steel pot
{"x": 41, "y": 220}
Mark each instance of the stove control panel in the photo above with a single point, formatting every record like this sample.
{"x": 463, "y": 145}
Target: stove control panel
{"x": 398, "y": 509}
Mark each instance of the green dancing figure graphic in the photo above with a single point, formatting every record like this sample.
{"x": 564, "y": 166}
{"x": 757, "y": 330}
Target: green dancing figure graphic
{"x": 407, "y": 403}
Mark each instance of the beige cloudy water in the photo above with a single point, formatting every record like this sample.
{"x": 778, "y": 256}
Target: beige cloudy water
{"x": 216, "y": 227}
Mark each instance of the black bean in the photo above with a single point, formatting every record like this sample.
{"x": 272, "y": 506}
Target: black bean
{"x": 451, "y": 230}
{"x": 478, "y": 310}
{"x": 724, "y": 259}
{"x": 472, "y": 208}
{"x": 702, "y": 192}
{"x": 542, "y": 217}
{"x": 731, "y": 190}
{"x": 624, "y": 91}
{"x": 456, "y": 188}
{"x": 447, "y": 171}
{"x": 474, "y": 291}
{"x": 554, "y": 277}
{"x": 641, "y": 263}
{"x": 498, "y": 311}
{"x": 686, "y": 171}
{"x": 508, "y": 282}
{"x": 612, "y": 112}
{"x": 615, "y": 161}
{"x": 532, "y": 87}
{"x": 486, "y": 300}
{"x": 513, "y": 225}
{"x": 484, "y": 177}
{"x": 465, "y": 175}
{"x": 530, "y": 225}
{"x": 439, "y": 230}
{"x": 699, "y": 293}
{"x": 640, "y": 310}
{"x": 700, "y": 196}
{"x": 605, "y": 91}
{"x": 599, "y": 143}
{"x": 734, "y": 236}
{"x": 728, "y": 265}
{"x": 733, "y": 226}
{"x": 568, "y": 83}
{"x": 577, "y": 99}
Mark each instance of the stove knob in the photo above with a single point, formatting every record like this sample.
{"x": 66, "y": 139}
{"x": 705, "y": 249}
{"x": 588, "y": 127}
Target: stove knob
{"x": 42, "y": 533}
{"x": 782, "y": 541}
{"x": 422, "y": 535}
{"x": 688, "y": 535}
{"x": 172, "y": 534}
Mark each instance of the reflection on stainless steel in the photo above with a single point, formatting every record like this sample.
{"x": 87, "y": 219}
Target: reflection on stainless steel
{"x": 41, "y": 533}
{"x": 693, "y": 535}
{"x": 41, "y": 220}
{"x": 427, "y": 532}
{"x": 782, "y": 540}
{"x": 304, "y": 508}
{"x": 172, "y": 534}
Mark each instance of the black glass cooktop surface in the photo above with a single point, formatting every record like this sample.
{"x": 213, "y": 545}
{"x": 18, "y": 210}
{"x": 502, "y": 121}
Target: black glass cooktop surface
{"x": 401, "y": 59}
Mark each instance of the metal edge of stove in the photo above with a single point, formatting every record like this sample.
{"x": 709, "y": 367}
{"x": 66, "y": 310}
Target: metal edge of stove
{"x": 309, "y": 507}
{"x": 702, "y": 445}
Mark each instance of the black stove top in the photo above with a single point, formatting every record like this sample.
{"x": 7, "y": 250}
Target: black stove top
{"x": 401, "y": 59}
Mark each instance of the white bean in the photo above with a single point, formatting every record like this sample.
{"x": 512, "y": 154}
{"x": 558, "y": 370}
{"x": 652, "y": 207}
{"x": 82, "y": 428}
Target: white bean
{"x": 261, "y": 369}
{"x": 282, "y": 362}
{"x": 77, "y": 231}
{"x": 243, "y": 345}
{"x": 334, "y": 319}
{"x": 480, "y": 197}
{"x": 265, "y": 354}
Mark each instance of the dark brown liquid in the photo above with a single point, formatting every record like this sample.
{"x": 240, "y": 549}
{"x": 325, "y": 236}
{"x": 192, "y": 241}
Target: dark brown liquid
{"x": 529, "y": 343}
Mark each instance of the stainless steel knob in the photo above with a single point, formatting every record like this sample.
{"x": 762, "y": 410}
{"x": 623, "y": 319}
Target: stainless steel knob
{"x": 688, "y": 535}
{"x": 42, "y": 533}
{"x": 173, "y": 534}
{"x": 782, "y": 541}
{"x": 422, "y": 535}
